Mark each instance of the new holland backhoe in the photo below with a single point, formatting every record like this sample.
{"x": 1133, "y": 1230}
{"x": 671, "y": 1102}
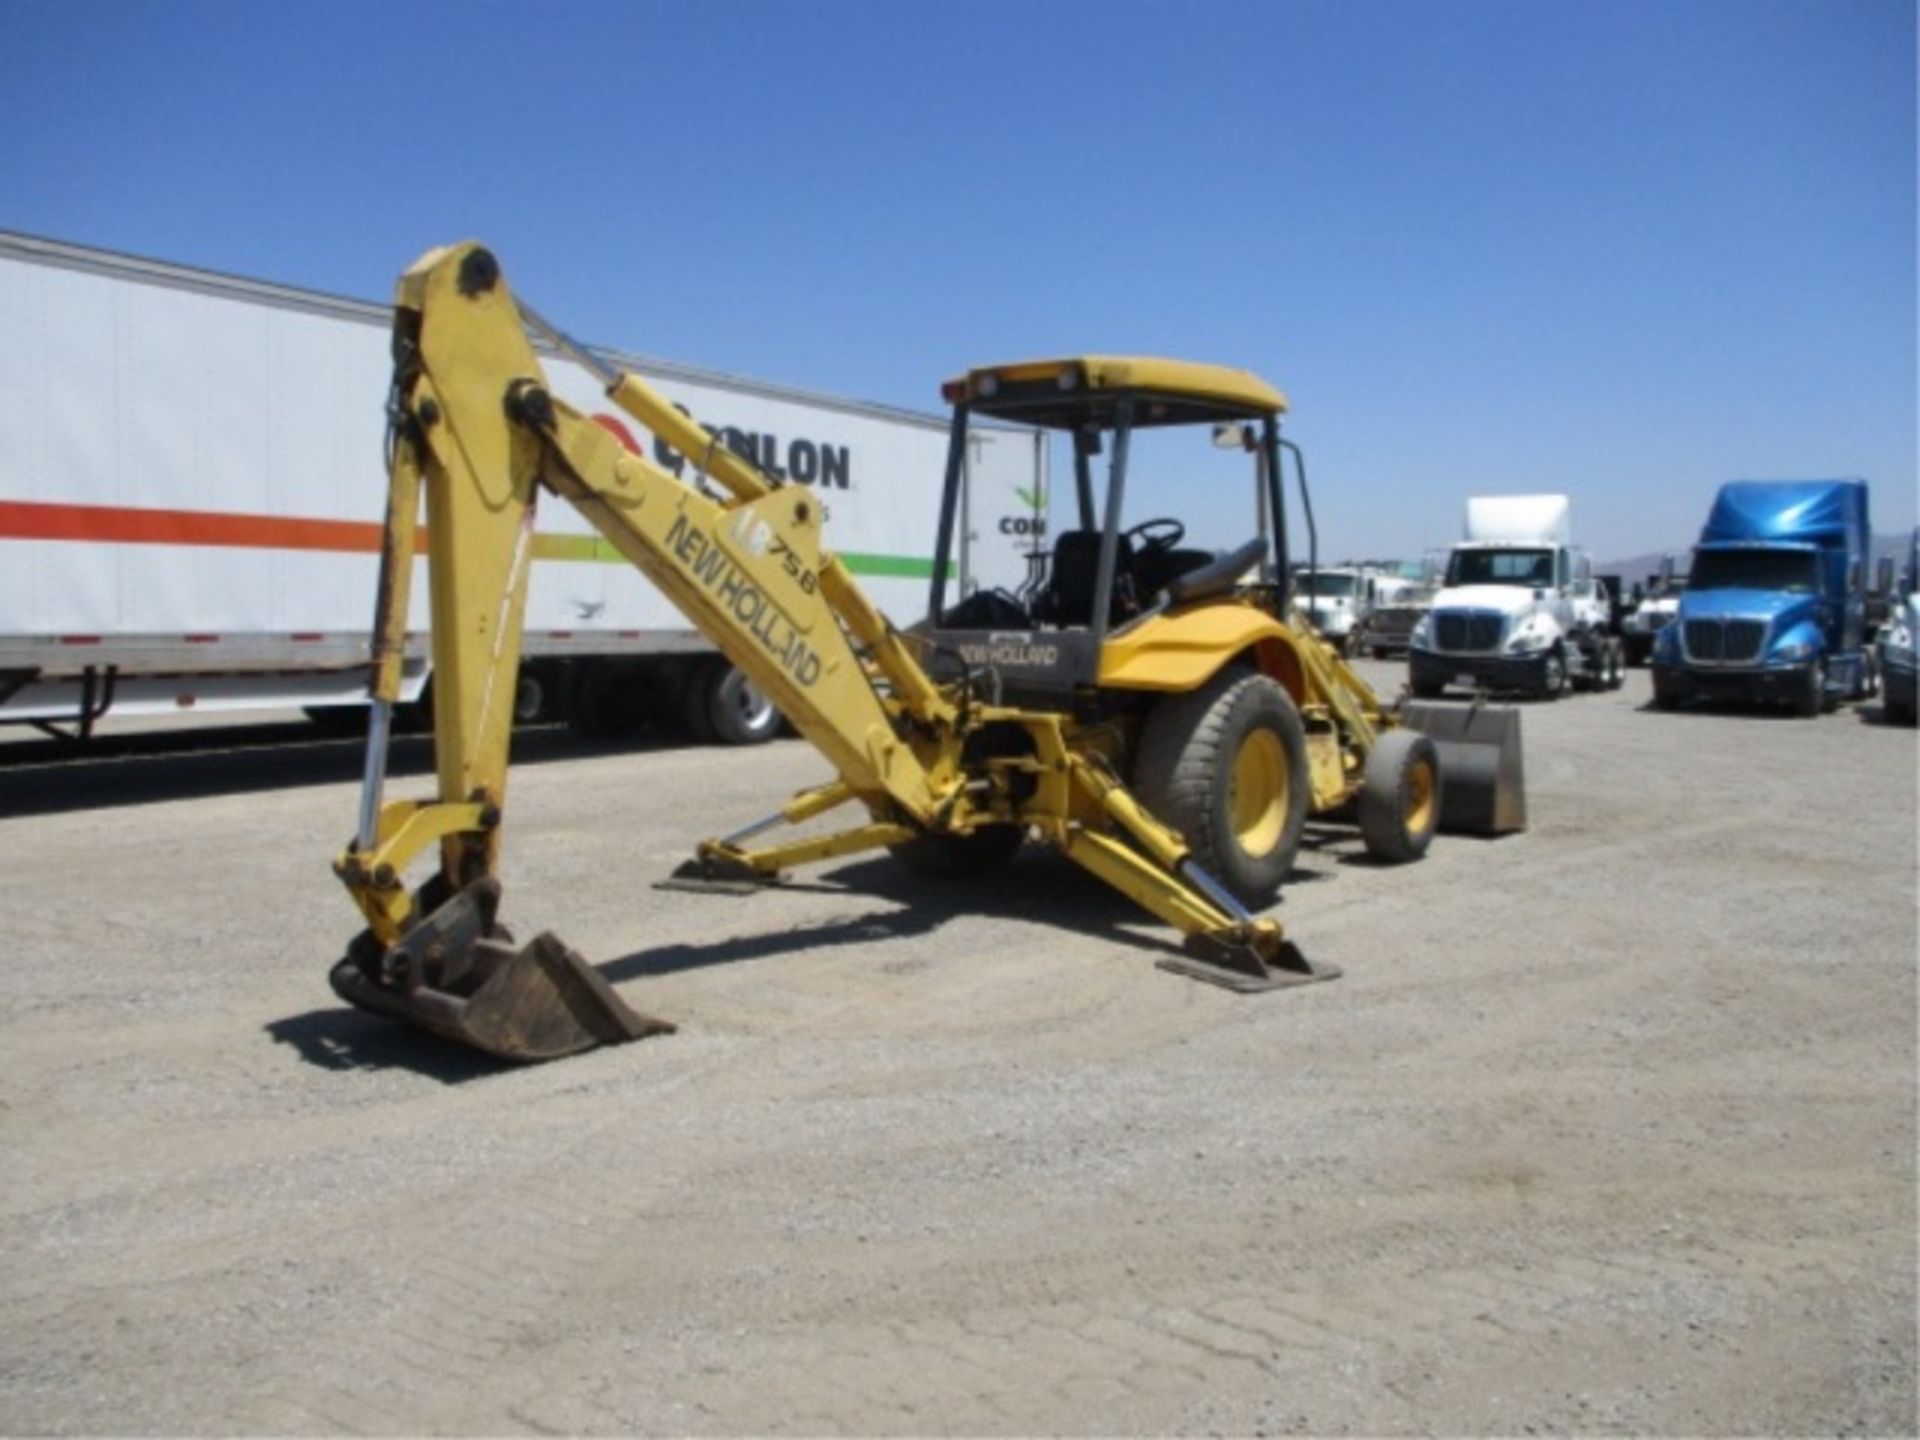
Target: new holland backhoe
{"x": 1155, "y": 713}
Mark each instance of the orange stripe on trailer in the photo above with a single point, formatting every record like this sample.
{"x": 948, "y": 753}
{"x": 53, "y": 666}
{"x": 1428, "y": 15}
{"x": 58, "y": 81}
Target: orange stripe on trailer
{"x": 127, "y": 525}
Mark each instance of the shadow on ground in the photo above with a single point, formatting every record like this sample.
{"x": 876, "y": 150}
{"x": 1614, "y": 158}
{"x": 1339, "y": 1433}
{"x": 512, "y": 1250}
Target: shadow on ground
{"x": 345, "y": 1039}
{"x": 142, "y": 769}
{"x": 1037, "y": 885}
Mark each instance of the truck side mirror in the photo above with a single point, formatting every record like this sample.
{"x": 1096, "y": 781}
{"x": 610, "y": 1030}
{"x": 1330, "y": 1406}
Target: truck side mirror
{"x": 1883, "y": 575}
{"x": 1666, "y": 571}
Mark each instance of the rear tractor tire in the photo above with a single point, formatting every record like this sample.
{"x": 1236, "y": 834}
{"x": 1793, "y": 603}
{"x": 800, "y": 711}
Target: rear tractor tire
{"x": 1226, "y": 766}
{"x": 1399, "y": 800}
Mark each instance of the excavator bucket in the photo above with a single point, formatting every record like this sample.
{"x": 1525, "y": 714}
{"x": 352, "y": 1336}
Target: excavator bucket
{"x": 1483, "y": 784}
{"x": 458, "y": 974}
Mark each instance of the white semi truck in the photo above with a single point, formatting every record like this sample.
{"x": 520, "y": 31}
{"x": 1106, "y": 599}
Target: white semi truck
{"x": 1519, "y": 609}
{"x": 1655, "y": 611}
{"x": 193, "y": 483}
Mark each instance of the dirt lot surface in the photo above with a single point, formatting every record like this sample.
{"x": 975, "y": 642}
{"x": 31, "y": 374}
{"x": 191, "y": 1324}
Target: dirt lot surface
{"x": 1608, "y": 1128}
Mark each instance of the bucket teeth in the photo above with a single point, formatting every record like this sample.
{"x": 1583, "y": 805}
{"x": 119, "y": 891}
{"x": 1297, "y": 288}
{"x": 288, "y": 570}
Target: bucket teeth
{"x": 538, "y": 1002}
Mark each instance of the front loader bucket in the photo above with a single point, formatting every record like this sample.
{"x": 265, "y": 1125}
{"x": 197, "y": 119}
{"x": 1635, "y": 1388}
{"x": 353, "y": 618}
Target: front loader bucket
{"x": 1483, "y": 783}
{"x": 457, "y": 974}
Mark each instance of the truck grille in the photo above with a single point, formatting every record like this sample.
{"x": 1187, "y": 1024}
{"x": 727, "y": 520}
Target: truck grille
{"x": 1468, "y": 630}
{"x": 1724, "y": 642}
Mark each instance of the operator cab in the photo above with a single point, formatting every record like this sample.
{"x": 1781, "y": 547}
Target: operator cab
{"x": 1099, "y": 576}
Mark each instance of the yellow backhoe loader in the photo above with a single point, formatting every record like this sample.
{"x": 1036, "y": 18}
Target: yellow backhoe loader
{"x": 1153, "y": 712}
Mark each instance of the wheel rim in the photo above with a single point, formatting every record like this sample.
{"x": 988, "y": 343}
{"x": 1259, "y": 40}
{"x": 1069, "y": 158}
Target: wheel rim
{"x": 755, "y": 709}
{"x": 1420, "y": 793}
{"x": 1556, "y": 674}
{"x": 1257, "y": 795}
{"x": 529, "y": 697}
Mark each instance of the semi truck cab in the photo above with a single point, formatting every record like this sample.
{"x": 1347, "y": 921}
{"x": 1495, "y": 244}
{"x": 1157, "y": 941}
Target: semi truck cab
{"x": 1775, "y": 604}
{"x": 1519, "y": 609}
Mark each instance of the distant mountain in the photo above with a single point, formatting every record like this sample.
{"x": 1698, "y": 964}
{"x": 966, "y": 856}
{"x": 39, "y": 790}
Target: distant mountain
{"x": 1636, "y": 568}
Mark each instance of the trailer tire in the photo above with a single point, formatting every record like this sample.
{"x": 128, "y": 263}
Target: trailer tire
{"x": 696, "y": 706}
{"x": 1399, "y": 799}
{"x": 739, "y": 713}
{"x": 1226, "y": 766}
{"x": 532, "y": 696}
{"x": 959, "y": 857}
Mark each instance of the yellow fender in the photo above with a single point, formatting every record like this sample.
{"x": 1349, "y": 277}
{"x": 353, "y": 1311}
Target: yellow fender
{"x": 1180, "y": 650}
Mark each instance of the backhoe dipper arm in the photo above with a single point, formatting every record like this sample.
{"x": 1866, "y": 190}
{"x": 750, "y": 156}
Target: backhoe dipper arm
{"x": 477, "y": 430}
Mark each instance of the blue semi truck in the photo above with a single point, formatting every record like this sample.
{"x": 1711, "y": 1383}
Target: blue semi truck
{"x": 1776, "y": 601}
{"x": 1899, "y": 671}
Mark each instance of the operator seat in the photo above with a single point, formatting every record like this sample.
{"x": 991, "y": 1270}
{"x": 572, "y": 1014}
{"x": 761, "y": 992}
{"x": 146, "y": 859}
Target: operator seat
{"x": 1067, "y": 599}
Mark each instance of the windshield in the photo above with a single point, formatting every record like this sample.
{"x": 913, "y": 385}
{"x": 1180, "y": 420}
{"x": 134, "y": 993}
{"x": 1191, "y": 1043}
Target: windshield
{"x": 1323, "y": 584}
{"x": 1790, "y": 570}
{"x": 1501, "y": 567}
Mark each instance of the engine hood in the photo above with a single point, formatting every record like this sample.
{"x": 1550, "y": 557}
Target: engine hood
{"x": 1509, "y": 600}
{"x": 1783, "y": 608}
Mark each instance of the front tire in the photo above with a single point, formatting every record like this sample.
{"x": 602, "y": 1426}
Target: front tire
{"x": 1553, "y": 677}
{"x": 1812, "y": 700}
{"x": 1226, "y": 766}
{"x": 1399, "y": 800}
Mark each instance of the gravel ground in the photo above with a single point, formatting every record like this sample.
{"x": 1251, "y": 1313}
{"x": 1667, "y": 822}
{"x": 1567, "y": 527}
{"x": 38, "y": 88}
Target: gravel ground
{"x": 1608, "y": 1128}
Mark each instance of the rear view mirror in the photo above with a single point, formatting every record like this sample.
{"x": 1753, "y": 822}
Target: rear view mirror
{"x": 1883, "y": 575}
{"x": 1232, "y": 435}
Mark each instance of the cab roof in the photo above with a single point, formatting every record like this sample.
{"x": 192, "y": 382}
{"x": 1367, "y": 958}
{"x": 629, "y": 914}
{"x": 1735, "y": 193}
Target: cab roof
{"x": 1067, "y": 393}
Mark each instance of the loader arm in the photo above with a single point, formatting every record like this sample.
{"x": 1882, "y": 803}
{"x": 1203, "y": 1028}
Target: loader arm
{"x": 476, "y": 433}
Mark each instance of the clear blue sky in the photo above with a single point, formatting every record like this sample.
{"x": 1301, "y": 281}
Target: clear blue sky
{"x": 1625, "y": 250}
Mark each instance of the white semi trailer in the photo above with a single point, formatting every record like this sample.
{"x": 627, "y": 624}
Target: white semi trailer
{"x": 192, "y": 484}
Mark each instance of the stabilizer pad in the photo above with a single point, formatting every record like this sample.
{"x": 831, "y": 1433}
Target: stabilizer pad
{"x": 1240, "y": 968}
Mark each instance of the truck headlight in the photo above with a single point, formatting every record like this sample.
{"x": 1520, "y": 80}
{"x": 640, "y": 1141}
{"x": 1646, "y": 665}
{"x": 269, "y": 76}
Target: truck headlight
{"x": 1530, "y": 640}
{"x": 1794, "y": 651}
{"x": 1422, "y": 632}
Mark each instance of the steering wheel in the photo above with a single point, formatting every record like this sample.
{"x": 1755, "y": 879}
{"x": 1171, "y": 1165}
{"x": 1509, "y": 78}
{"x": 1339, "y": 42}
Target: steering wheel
{"x": 1160, "y": 534}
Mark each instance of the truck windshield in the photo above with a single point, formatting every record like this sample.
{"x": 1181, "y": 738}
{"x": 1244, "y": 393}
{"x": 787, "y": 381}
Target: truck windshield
{"x": 1500, "y": 567}
{"x": 1324, "y": 584}
{"x": 1789, "y": 570}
